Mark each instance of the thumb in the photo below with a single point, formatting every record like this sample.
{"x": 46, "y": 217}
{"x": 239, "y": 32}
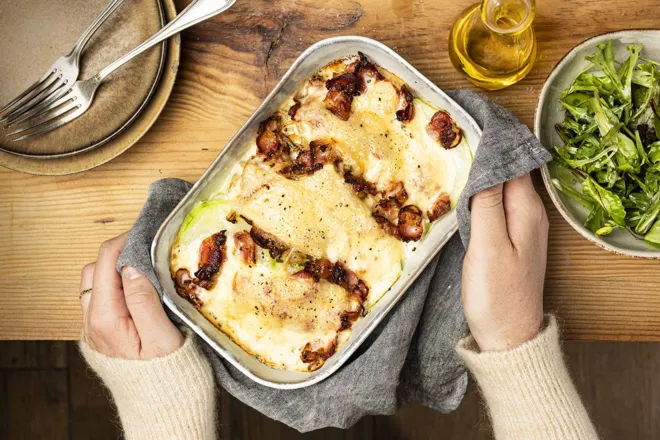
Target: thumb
{"x": 488, "y": 222}
{"x": 158, "y": 336}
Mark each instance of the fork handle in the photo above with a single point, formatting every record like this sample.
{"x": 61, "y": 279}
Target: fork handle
{"x": 91, "y": 30}
{"x": 197, "y": 10}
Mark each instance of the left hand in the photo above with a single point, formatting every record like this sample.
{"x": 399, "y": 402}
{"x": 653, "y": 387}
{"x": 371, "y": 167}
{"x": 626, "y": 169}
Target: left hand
{"x": 123, "y": 316}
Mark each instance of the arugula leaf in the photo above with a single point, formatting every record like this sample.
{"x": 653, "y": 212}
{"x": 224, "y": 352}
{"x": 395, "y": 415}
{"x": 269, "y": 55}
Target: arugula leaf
{"x": 649, "y": 216}
{"x": 595, "y": 219}
{"x": 652, "y": 237}
{"x": 640, "y": 147}
{"x": 654, "y": 152}
{"x": 609, "y": 201}
{"x": 626, "y": 70}
{"x": 571, "y": 192}
{"x": 604, "y": 59}
{"x": 577, "y": 104}
{"x": 626, "y": 156}
{"x": 639, "y": 200}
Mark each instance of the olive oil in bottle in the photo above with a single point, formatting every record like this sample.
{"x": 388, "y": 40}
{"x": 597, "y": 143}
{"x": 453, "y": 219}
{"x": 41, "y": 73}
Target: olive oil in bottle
{"x": 493, "y": 43}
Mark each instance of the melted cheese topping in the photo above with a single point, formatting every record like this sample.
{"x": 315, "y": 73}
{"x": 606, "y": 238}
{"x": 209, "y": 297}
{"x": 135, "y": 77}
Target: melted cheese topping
{"x": 321, "y": 216}
{"x": 381, "y": 148}
{"x": 265, "y": 308}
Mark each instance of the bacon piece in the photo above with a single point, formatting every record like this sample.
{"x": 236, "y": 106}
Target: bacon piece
{"x": 186, "y": 287}
{"x": 294, "y": 108}
{"x": 339, "y": 104}
{"x": 319, "y": 269}
{"x": 342, "y": 83}
{"x": 347, "y": 279}
{"x": 212, "y": 253}
{"x": 323, "y": 269}
{"x": 407, "y": 110}
{"x": 388, "y": 209}
{"x": 360, "y": 291}
{"x": 410, "y": 223}
{"x": 440, "y": 207}
{"x": 341, "y": 90}
{"x": 366, "y": 73}
{"x": 245, "y": 246}
{"x": 310, "y": 161}
{"x": 443, "y": 130}
{"x": 360, "y": 186}
{"x": 349, "y": 317}
{"x": 272, "y": 144}
{"x": 322, "y": 152}
{"x": 268, "y": 241}
{"x": 305, "y": 161}
{"x": 268, "y": 137}
{"x": 387, "y": 226}
{"x": 316, "y": 357}
{"x": 396, "y": 191}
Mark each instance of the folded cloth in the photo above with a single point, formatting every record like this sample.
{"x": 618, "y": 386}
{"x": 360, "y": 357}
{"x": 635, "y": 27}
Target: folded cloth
{"x": 410, "y": 356}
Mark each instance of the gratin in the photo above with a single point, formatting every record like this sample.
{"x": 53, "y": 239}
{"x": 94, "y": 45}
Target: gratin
{"x": 313, "y": 226}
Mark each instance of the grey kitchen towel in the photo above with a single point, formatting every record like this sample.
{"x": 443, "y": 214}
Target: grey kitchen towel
{"x": 411, "y": 354}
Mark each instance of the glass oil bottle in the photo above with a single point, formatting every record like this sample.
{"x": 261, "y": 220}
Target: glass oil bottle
{"x": 493, "y": 43}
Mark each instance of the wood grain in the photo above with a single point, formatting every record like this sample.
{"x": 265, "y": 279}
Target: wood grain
{"x": 33, "y": 354}
{"x": 618, "y": 384}
{"x": 51, "y": 226}
{"x": 33, "y": 404}
{"x": 620, "y": 409}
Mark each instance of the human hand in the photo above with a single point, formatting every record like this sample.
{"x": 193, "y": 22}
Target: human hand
{"x": 504, "y": 266}
{"x": 123, "y": 316}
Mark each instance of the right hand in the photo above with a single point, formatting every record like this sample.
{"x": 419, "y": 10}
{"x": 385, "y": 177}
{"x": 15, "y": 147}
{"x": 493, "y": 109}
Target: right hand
{"x": 504, "y": 266}
{"x": 123, "y": 316}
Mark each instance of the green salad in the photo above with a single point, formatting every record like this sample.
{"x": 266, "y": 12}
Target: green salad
{"x": 610, "y": 160}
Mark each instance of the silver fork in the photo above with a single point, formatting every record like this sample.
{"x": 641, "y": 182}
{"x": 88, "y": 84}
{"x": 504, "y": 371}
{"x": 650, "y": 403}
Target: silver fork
{"x": 63, "y": 72}
{"x": 54, "y": 113}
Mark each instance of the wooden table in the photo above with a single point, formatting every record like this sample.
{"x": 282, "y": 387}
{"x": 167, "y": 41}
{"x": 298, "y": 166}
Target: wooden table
{"x": 51, "y": 226}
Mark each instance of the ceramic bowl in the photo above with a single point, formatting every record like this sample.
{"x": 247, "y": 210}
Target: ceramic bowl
{"x": 549, "y": 112}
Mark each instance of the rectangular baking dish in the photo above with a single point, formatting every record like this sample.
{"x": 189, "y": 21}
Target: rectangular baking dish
{"x": 307, "y": 64}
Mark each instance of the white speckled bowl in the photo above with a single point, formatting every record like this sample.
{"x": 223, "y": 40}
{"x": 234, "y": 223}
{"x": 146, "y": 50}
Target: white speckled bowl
{"x": 549, "y": 112}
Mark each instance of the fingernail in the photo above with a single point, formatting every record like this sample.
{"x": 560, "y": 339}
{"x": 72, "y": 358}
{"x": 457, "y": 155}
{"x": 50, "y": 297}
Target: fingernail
{"x": 131, "y": 273}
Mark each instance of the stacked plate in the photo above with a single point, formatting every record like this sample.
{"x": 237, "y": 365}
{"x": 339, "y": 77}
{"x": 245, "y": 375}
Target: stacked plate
{"x": 35, "y": 33}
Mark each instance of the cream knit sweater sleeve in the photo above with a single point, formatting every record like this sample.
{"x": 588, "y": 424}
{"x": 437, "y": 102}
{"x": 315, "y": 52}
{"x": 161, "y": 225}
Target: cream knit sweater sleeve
{"x": 528, "y": 390}
{"x": 171, "y": 397}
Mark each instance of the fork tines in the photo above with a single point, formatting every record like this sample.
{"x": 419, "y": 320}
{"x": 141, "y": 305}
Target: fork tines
{"x": 49, "y": 84}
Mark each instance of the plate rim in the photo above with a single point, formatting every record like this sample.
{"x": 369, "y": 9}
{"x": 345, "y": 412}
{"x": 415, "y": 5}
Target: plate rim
{"x": 545, "y": 171}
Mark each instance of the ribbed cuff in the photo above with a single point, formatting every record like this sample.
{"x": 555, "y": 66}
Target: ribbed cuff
{"x": 528, "y": 390}
{"x": 171, "y": 397}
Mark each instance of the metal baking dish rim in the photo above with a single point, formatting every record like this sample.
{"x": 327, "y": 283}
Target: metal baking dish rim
{"x": 361, "y": 337}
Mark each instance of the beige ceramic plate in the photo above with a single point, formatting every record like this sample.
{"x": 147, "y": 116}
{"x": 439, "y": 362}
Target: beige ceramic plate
{"x": 549, "y": 112}
{"x": 124, "y": 138}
